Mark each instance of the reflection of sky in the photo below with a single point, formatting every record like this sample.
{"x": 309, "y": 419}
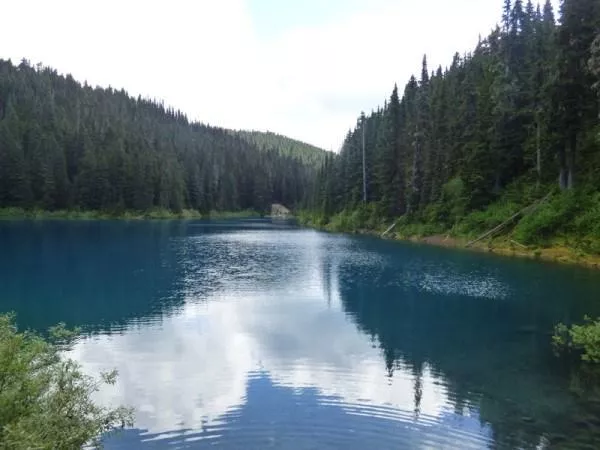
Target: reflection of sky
{"x": 262, "y": 320}
{"x": 306, "y": 417}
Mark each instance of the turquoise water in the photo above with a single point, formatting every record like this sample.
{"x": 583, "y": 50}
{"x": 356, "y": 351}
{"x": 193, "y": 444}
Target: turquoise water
{"x": 259, "y": 334}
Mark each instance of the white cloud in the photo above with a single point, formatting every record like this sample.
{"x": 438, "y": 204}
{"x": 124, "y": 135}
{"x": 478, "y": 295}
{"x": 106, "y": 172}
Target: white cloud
{"x": 272, "y": 309}
{"x": 207, "y": 58}
{"x": 191, "y": 369}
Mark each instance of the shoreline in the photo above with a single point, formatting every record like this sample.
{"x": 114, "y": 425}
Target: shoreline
{"x": 502, "y": 247}
{"x": 8, "y": 214}
{"x": 498, "y": 246}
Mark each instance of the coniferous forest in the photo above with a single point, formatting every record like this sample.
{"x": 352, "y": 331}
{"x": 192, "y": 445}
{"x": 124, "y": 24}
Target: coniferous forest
{"x": 463, "y": 148}
{"x": 460, "y": 149}
{"x": 67, "y": 146}
{"x": 307, "y": 153}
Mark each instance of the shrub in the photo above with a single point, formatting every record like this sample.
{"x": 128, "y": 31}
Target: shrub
{"x": 45, "y": 399}
{"x": 454, "y": 199}
{"x": 481, "y": 221}
{"x": 584, "y": 339}
{"x": 553, "y": 217}
{"x": 587, "y": 223}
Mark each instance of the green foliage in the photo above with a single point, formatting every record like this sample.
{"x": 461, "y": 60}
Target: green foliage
{"x": 465, "y": 148}
{"x": 362, "y": 218}
{"x": 66, "y": 146}
{"x": 584, "y": 339}
{"x": 452, "y": 206}
{"x": 308, "y": 154}
{"x": 478, "y": 222}
{"x": 155, "y": 213}
{"x": 152, "y": 214}
{"x": 233, "y": 214}
{"x": 417, "y": 229}
{"x": 572, "y": 213}
{"x": 45, "y": 399}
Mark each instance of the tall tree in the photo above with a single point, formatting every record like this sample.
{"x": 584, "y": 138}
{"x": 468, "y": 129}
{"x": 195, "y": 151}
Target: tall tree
{"x": 579, "y": 21}
{"x": 514, "y": 111}
{"x": 64, "y": 145}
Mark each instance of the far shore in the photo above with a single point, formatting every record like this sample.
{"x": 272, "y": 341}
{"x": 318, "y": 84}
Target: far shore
{"x": 153, "y": 214}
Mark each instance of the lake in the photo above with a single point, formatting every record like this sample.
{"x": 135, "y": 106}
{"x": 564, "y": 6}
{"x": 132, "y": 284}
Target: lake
{"x": 259, "y": 334}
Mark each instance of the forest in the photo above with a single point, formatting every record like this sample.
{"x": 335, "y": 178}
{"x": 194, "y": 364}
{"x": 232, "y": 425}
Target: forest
{"x": 68, "y": 146}
{"x": 309, "y": 154}
{"x": 463, "y": 148}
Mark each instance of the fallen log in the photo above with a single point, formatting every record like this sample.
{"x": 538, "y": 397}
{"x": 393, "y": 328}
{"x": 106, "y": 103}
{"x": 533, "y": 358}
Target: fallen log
{"x": 392, "y": 226}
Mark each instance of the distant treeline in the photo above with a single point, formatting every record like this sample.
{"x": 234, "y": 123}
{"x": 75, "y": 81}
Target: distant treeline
{"x": 309, "y": 154}
{"x": 64, "y": 145}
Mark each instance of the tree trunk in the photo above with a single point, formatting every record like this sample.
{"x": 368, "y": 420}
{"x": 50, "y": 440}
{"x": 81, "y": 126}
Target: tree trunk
{"x": 497, "y": 184}
{"x": 539, "y": 153}
{"x": 562, "y": 160}
{"x": 571, "y": 160}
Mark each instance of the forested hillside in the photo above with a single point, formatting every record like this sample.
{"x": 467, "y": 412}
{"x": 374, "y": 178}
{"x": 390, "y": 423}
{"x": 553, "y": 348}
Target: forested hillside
{"x": 268, "y": 140}
{"x": 64, "y": 145}
{"x": 463, "y": 148}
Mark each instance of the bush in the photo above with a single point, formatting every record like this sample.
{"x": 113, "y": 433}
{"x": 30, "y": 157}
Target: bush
{"x": 342, "y": 221}
{"x": 481, "y": 221}
{"x": 553, "y": 217}
{"x": 584, "y": 339}
{"x": 363, "y": 217}
{"x": 45, "y": 399}
{"x": 418, "y": 229}
{"x": 588, "y": 222}
{"x": 454, "y": 200}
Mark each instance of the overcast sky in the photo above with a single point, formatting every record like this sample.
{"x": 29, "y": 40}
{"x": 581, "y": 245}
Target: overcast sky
{"x": 303, "y": 68}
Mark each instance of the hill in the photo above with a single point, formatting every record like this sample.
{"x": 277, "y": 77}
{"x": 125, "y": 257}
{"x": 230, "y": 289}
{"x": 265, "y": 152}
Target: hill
{"x": 267, "y": 140}
{"x": 64, "y": 145}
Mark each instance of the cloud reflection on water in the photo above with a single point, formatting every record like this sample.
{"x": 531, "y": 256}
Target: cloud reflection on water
{"x": 272, "y": 307}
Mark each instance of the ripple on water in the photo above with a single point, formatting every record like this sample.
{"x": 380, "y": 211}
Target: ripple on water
{"x": 248, "y": 338}
{"x": 470, "y": 285}
{"x": 297, "y": 415}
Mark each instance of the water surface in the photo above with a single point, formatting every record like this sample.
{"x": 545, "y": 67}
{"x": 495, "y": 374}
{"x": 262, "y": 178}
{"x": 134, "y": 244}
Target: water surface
{"x": 259, "y": 334}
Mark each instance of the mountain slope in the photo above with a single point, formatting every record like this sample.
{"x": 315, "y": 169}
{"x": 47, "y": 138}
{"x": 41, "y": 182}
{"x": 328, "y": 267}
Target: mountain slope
{"x": 267, "y": 140}
{"x": 64, "y": 145}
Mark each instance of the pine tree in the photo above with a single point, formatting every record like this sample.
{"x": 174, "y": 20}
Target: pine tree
{"x": 390, "y": 170}
{"x": 573, "y": 87}
{"x": 64, "y": 145}
{"x": 14, "y": 181}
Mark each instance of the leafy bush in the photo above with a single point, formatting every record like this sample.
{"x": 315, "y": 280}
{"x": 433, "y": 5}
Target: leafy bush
{"x": 553, "y": 217}
{"x": 583, "y": 338}
{"x": 454, "y": 200}
{"x": 363, "y": 217}
{"x": 45, "y": 399}
{"x": 588, "y": 222}
{"x": 418, "y": 229}
{"x": 343, "y": 221}
{"x": 481, "y": 221}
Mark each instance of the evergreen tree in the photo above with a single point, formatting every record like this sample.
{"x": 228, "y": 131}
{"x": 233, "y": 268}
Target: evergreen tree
{"x": 515, "y": 111}
{"x": 390, "y": 170}
{"x": 579, "y": 24}
{"x": 14, "y": 185}
{"x": 64, "y": 145}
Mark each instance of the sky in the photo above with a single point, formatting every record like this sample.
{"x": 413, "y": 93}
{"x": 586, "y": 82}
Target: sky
{"x": 302, "y": 68}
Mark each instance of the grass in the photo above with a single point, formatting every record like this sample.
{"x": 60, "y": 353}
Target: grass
{"x": 233, "y": 214}
{"x": 14, "y": 213}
